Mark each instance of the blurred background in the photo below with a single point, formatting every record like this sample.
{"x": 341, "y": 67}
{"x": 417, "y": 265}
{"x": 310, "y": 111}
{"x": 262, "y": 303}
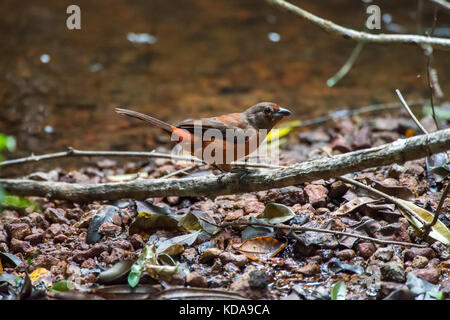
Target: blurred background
{"x": 191, "y": 58}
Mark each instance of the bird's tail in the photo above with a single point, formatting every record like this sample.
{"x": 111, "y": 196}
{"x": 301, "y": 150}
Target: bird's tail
{"x": 153, "y": 121}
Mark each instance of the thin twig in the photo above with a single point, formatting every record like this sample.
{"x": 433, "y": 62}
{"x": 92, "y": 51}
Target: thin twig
{"x": 429, "y": 55}
{"x": 300, "y": 228}
{"x": 384, "y": 195}
{"x": 347, "y": 66}
{"x": 84, "y": 153}
{"x": 421, "y": 127}
{"x": 360, "y": 36}
{"x": 427, "y": 227}
{"x": 184, "y": 170}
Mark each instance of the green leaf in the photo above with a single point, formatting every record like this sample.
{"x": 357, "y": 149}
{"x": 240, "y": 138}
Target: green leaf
{"x": 134, "y": 278}
{"x": 7, "y": 142}
{"x": 61, "y": 286}
{"x": 276, "y": 213}
{"x": 339, "y": 291}
{"x": 437, "y": 295}
{"x": 17, "y": 202}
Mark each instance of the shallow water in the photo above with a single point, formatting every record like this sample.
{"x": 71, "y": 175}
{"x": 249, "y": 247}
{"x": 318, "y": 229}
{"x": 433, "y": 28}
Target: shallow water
{"x": 180, "y": 59}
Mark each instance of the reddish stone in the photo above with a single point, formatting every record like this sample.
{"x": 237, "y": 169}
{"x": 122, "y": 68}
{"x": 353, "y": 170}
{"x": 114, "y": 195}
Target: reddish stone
{"x": 19, "y": 246}
{"x": 19, "y": 230}
{"x": 35, "y": 238}
{"x": 366, "y": 249}
{"x": 136, "y": 241}
{"x": 195, "y": 279}
{"x": 428, "y": 274}
{"x": 316, "y": 194}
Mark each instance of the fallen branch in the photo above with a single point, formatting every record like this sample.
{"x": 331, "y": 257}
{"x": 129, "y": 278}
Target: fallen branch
{"x": 331, "y": 27}
{"x": 397, "y": 152}
{"x": 300, "y": 228}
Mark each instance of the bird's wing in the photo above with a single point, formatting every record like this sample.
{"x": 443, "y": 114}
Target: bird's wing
{"x": 222, "y": 123}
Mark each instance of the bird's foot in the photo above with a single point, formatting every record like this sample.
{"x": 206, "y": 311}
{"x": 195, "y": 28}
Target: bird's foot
{"x": 243, "y": 172}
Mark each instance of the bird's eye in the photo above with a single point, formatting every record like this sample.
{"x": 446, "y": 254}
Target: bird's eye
{"x": 267, "y": 110}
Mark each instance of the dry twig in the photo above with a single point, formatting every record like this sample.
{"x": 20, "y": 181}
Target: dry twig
{"x": 300, "y": 228}
{"x": 427, "y": 227}
{"x": 331, "y": 27}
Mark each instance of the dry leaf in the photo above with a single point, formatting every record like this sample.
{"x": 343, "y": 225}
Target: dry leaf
{"x": 352, "y": 205}
{"x": 261, "y": 248}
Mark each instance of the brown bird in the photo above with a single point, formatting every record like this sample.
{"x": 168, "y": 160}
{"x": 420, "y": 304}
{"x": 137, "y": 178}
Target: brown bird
{"x": 221, "y": 140}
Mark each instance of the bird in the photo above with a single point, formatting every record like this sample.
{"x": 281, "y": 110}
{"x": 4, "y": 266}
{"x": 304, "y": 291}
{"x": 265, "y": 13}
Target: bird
{"x": 220, "y": 140}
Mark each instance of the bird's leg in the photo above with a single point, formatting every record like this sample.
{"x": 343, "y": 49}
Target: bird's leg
{"x": 242, "y": 172}
{"x": 222, "y": 174}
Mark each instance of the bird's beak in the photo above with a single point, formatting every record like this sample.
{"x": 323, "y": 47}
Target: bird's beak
{"x": 282, "y": 113}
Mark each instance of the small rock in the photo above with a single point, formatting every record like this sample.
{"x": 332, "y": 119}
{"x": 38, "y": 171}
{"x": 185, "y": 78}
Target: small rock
{"x": 410, "y": 253}
{"x": 117, "y": 254}
{"x": 217, "y": 266}
{"x": 366, "y": 249}
{"x": 393, "y": 271}
{"x": 88, "y": 264}
{"x": 35, "y": 238}
{"x": 190, "y": 254}
{"x": 19, "y": 230}
{"x": 136, "y": 241}
{"x": 288, "y": 196}
{"x": 60, "y": 238}
{"x": 226, "y": 257}
{"x": 258, "y": 279}
{"x": 362, "y": 139}
{"x": 54, "y": 230}
{"x": 414, "y": 168}
{"x": 116, "y": 219}
{"x": 445, "y": 288}
{"x": 234, "y": 215}
{"x": 231, "y": 268}
{"x": 386, "y": 288}
{"x": 310, "y": 269}
{"x": 44, "y": 261}
{"x": 194, "y": 279}
{"x": 80, "y": 255}
{"x": 396, "y": 170}
{"x": 254, "y": 207}
{"x": 242, "y": 285}
{"x": 384, "y": 254}
{"x": 338, "y": 189}
{"x": 346, "y": 254}
{"x": 340, "y": 144}
{"x": 441, "y": 249}
{"x": 108, "y": 229}
{"x": 419, "y": 262}
{"x": 316, "y": 194}
{"x": 56, "y": 215}
{"x": 19, "y": 246}
{"x": 428, "y": 274}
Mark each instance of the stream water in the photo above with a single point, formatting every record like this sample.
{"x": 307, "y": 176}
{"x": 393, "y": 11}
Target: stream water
{"x": 180, "y": 59}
